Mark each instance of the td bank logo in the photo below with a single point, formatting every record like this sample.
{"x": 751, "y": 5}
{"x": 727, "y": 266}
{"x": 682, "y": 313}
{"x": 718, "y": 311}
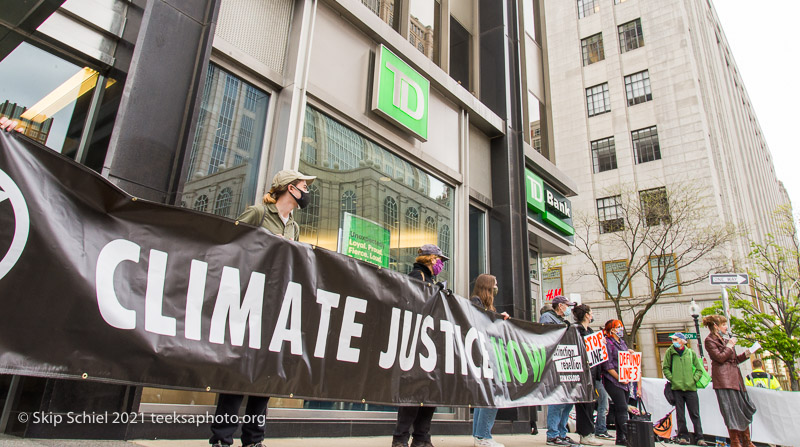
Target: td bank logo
{"x": 10, "y": 193}
{"x": 400, "y": 93}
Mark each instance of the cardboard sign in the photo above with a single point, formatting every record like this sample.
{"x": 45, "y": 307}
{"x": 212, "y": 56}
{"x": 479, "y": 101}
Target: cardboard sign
{"x": 630, "y": 367}
{"x": 596, "y": 350}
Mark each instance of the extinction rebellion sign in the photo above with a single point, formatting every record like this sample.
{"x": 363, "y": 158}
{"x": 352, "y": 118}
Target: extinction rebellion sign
{"x": 135, "y": 292}
{"x": 400, "y": 93}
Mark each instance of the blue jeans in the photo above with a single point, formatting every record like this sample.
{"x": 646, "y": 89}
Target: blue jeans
{"x": 602, "y": 408}
{"x": 482, "y": 422}
{"x": 557, "y": 417}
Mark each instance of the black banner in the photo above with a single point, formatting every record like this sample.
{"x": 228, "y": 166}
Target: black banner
{"x": 97, "y": 284}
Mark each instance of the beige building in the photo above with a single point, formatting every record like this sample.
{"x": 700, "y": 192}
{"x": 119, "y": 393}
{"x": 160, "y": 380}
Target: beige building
{"x": 648, "y": 95}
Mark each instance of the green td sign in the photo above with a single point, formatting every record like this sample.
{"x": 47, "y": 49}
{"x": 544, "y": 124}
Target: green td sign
{"x": 400, "y": 94}
{"x": 553, "y": 208}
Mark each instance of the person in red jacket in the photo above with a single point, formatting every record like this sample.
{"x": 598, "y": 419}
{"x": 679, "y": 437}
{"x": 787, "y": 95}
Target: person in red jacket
{"x": 735, "y": 405}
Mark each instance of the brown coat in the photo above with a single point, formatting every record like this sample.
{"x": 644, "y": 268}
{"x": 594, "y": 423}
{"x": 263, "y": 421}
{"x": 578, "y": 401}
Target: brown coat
{"x": 725, "y": 372}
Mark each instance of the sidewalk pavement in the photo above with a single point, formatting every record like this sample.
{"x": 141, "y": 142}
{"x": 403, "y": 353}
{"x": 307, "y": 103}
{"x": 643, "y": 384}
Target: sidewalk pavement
{"x": 378, "y": 441}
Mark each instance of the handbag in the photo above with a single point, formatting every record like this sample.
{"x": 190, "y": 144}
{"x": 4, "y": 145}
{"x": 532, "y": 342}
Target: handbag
{"x": 668, "y": 393}
{"x": 705, "y": 379}
{"x": 643, "y": 414}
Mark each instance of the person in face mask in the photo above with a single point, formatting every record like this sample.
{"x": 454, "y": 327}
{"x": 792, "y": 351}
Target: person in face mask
{"x": 618, "y": 391}
{"x": 429, "y": 263}
{"x": 584, "y": 421}
{"x": 558, "y": 414}
{"x": 683, "y": 368}
{"x": 289, "y": 191}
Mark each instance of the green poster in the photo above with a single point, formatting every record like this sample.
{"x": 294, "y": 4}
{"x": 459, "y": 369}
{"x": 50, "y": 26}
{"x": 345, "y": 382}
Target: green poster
{"x": 365, "y": 240}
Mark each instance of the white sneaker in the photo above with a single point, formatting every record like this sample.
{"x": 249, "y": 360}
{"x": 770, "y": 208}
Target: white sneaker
{"x": 590, "y": 440}
{"x": 486, "y": 443}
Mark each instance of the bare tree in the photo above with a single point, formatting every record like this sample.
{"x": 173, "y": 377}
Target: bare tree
{"x": 663, "y": 235}
{"x": 769, "y": 312}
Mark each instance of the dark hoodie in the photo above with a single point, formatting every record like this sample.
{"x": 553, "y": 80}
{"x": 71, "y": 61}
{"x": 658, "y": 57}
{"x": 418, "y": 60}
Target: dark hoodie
{"x": 422, "y": 272}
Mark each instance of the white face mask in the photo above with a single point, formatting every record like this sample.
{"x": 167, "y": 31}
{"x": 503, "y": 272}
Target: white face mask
{"x": 567, "y": 311}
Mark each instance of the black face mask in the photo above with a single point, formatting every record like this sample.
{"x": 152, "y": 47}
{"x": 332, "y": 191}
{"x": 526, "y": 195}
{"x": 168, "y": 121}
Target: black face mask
{"x": 304, "y": 200}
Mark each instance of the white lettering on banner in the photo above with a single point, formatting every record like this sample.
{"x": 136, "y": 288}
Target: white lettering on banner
{"x": 327, "y": 300}
{"x": 228, "y": 307}
{"x": 154, "y": 320}
{"x": 428, "y": 363}
{"x": 194, "y": 299}
{"x": 284, "y": 330}
{"x": 449, "y": 355}
{"x": 350, "y": 329}
{"x": 112, "y": 255}
{"x": 402, "y": 82}
{"x": 407, "y": 359}
{"x": 630, "y": 366}
{"x": 386, "y": 359}
{"x": 596, "y": 348}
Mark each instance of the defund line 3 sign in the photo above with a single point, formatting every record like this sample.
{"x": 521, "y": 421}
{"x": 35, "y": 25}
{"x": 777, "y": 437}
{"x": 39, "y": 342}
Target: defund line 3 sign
{"x": 400, "y": 93}
{"x": 10, "y": 193}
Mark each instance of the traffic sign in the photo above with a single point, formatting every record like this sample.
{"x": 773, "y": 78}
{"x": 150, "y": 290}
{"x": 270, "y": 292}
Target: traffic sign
{"x": 689, "y": 335}
{"x": 728, "y": 279}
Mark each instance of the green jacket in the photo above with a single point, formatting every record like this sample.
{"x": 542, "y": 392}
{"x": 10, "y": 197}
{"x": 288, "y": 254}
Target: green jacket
{"x": 267, "y": 216}
{"x": 682, "y": 370}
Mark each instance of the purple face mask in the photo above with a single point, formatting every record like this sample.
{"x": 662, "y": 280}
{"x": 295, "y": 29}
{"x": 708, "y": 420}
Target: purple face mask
{"x": 438, "y": 266}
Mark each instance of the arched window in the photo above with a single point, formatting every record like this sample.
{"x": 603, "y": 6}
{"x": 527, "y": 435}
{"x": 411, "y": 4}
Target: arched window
{"x": 349, "y": 200}
{"x": 444, "y": 240}
{"x": 201, "y": 203}
{"x": 222, "y": 206}
{"x": 308, "y": 217}
{"x": 412, "y": 218}
{"x": 390, "y": 213}
{"x": 430, "y": 227}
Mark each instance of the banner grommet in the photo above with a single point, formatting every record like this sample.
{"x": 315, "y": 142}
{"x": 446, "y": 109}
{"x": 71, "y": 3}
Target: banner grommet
{"x": 291, "y": 395}
{"x": 84, "y": 376}
{"x": 133, "y": 199}
{"x": 236, "y": 223}
{"x": 208, "y": 388}
{"x": 363, "y": 401}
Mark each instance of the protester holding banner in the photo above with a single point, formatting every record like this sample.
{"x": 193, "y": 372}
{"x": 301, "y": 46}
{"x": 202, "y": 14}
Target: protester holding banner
{"x": 618, "y": 391}
{"x": 429, "y": 263}
{"x": 558, "y": 414}
{"x": 289, "y": 191}
{"x": 735, "y": 405}
{"x": 584, "y": 425}
{"x": 483, "y": 419}
{"x": 683, "y": 369}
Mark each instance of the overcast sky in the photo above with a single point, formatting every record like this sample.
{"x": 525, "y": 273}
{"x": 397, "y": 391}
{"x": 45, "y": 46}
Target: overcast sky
{"x": 762, "y": 36}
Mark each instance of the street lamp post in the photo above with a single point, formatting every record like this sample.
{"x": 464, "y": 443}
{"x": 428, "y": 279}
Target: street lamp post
{"x": 694, "y": 310}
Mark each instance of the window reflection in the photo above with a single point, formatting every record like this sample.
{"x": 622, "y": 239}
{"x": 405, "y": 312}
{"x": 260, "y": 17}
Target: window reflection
{"x": 359, "y": 177}
{"x": 423, "y": 27}
{"x": 387, "y": 10}
{"x": 52, "y": 97}
{"x": 221, "y": 177}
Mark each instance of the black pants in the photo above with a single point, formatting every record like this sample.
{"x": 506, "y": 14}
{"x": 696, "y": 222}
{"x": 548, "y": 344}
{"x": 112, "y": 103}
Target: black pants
{"x": 252, "y": 431}
{"x": 692, "y": 403}
{"x": 584, "y": 425}
{"x": 620, "y": 399}
{"x": 419, "y": 417}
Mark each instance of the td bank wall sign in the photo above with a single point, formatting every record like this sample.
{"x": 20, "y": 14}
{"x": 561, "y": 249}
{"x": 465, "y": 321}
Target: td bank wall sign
{"x": 400, "y": 93}
{"x": 554, "y": 209}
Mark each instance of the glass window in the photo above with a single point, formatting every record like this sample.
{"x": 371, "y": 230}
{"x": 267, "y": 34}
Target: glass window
{"x": 552, "y": 283}
{"x": 227, "y": 144}
{"x": 535, "y": 123}
{"x": 617, "y": 2}
{"x": 597, "y": 99}
{"x": 592, "y": 49}
{"x": 411, "y": 195}
{"x": 423, "y": 27}
{"x": 51, "y": 99}
{"x": 609, "y": 214}
{"x": 663, "y": 268}
{"x": 531, "y": 19}
{"x": 655, "y": 206}
{"x": 308, "y": 217}
{"x": 201, "y": 203}
{"x": 645, "y": 144}
{"x": 587, "y": 7}
{"x": 615, "y": 273}
{"x": 385, "y": 9}
{"x": 477, "y": 244}
{"x": 604, "y": 155}
{"x": 637, "y": 88}
{"x": 460, "y": 63}
{"x": 630, "y": 36}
